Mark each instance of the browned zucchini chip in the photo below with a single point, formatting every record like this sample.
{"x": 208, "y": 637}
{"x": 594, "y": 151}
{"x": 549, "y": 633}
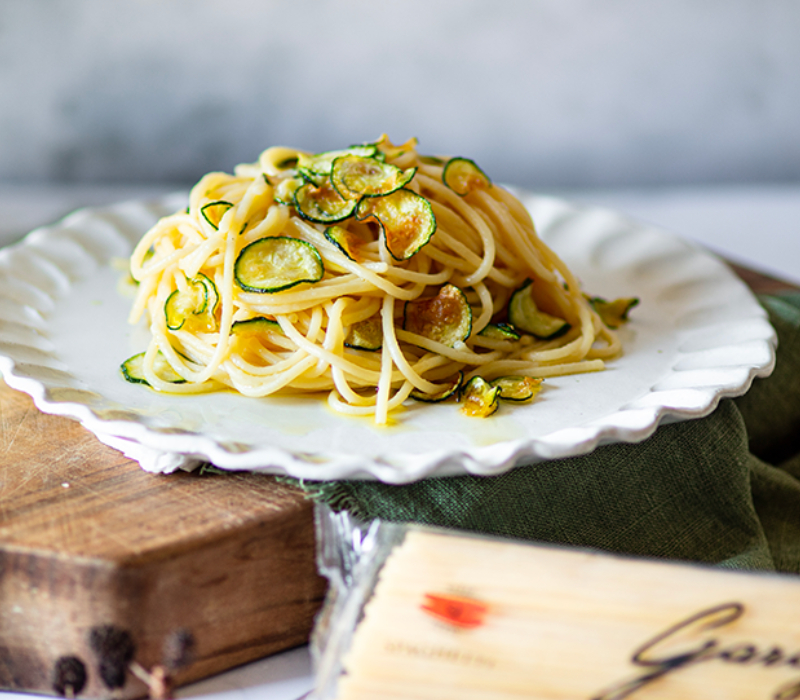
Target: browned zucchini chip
{"x": 133, "y": 370}
{"x": 406, "y": 219}
{"x": 613, "y": 313}
{"x": 214, "y": 211}
{"x": 285, "y": 190}
{"x": 389, "y": 151}
{"x": 356, "y": 176}
{"x": 322, "y": 204}
{"x": 516, "y": 388}
{"x": 316, "y": 168}
{"x": 343, "y": 240}
{"x": 257, "y": 325}
{"x": 448, "y": 390}
{"x": 366, "y": 334}
{"x": 250, "y": 336}
{"x": 195, "y": 305}
{"x": 499, "y": 331}
{"x": 289, "y": 163}
{"x": 479, "y": 399}
{"x": 463, "y": 176}
{"x": 445, "y": 318}
{"x": 273, "y": 264}
{"x": 525, "y": 316}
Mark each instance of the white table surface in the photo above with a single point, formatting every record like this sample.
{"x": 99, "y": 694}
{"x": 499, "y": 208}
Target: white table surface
{"x": 756, "y": 225}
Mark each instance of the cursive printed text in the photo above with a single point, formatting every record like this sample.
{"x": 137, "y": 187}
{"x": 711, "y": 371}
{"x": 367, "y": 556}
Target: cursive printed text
{"x": 693, "y": 641}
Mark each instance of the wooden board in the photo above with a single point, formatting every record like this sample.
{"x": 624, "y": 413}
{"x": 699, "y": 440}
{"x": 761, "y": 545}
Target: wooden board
{"x": 88, "y": 539}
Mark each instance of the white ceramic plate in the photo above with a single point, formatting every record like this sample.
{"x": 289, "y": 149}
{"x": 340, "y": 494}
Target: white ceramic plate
{"x": 698, "y": 335}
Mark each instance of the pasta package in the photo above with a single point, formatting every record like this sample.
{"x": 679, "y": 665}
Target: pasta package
{"x": 369, "y": 275}
{"x": 423, "y": 614}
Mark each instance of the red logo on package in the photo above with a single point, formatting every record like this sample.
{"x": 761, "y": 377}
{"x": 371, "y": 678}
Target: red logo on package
{"x": 455, "y": 610}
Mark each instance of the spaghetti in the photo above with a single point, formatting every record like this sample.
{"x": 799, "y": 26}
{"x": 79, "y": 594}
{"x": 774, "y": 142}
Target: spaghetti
{"x": 373, "y": 274}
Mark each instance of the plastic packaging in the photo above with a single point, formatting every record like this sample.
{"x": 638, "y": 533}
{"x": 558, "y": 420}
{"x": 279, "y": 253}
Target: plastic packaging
{"x": 350, "y": 555}
{"x": 395, "y": 612}
{"x": 422, "y": 613}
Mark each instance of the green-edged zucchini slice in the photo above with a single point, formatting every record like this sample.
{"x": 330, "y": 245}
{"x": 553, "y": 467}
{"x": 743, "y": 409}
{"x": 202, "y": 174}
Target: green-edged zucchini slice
{"x": 356, "y": 176}
{"x": 318, "y": 166}
{"x": 406, "y": 219}
{"x": 450, "y": 389}
{"x": 515, "y": 388}
{"x": 214, "y": 211}
{"x": 366, "y": 334}
{"x": 285, "y": 189}
{"x": 613, "y": 313}
{"x": 499, "y": 331}
{"x": 525, "y": 316}
{"x": 322, "y": 204}
{"x": 463, "y": 176}
{"x": 273, "y": 264}
{"x": 346, "y": 241}
{"x": 388, "y": 151}
{"x": 479, "y": 399}
{"x": 196, "y": 304}
{"x": 132, "y": 370}
{"x": 445, "y": 318}
{"x": 256, "y": 326}
{"x": 289, "y": 163}
{"x": 212, "y": 295}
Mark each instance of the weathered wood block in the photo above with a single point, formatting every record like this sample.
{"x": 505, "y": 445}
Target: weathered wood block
{"x": 88, "y": 539}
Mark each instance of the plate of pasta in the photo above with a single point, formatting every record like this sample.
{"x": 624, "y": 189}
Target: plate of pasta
{"x": 371, "y": 312}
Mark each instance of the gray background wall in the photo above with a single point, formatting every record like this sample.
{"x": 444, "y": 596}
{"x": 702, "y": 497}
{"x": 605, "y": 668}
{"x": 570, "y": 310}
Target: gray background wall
{"x": 544, "y": 93}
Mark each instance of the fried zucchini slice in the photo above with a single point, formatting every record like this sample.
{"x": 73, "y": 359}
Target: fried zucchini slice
{"x": 256, "y": 325}
{"x": 346, "y": 241}
{"x": 285, "y": 190}
{"x": 450, "y": 389}
{"x": 388, "y": 151}
{"x": 499, "y": 331}
{"x": 463, "y": 176}
{"x": 406, "y": 220}
{"x": 445, "y": 318}
{"x": 479, "y": 398}
{"x": 613, "y": 313}
{"x": 250, "y": 336}
{"x": 196, "y": 305}
{"x": 366, "y": 334}
{"x": 354, "y": 177}
{"x": 525, "y": 316}
{"x": 273, "y": 264}
{"x": 214, "y": 211}
{"x": 517, "y": 388}
{"x": 322, "y": 204}
{"x": 132, "y": 370}
{"x": 316, "y": 168}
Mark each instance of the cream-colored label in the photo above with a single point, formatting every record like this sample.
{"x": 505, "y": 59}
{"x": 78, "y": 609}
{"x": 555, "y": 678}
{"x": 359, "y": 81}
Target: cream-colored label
{"x": 470, "y": 618}
{"x": 703, "y": 638}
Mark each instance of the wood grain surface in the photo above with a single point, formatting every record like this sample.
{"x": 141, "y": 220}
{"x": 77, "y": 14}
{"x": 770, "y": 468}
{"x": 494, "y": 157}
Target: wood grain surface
{"x": 89, "y": 540}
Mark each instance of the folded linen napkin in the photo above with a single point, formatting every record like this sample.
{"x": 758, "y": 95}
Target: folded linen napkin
{"x": 724, "y": 489}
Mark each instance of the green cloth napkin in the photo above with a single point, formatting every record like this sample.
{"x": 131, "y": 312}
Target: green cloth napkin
{"x": 724, "y": 489}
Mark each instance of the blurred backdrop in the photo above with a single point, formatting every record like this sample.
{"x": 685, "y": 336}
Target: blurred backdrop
{"x": 542, "y": 93}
